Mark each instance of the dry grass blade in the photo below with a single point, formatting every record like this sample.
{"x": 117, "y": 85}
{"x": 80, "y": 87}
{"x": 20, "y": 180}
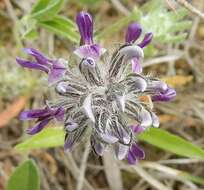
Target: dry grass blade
{"x": 83, "y": 167}
{"x": 147, "y": 177}
{"x": 191, "y": 8}
{"x": 174, "y": 173}
{"x": 73, "y": 168}
{"x": 12, "y": 111}
{"x": 161, "y": 59}
{"x": 112, "y": 171}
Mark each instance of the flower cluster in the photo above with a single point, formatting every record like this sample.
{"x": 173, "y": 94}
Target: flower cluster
{"x": 101, "y": 93}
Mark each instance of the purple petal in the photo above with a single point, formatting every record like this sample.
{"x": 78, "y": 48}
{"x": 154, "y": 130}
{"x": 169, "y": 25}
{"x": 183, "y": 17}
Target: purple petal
{"x": 69, "y": 142}
{"x": 97, "y": 146}
{"x": 136, "y": 66}
{"x": 93, "y": 51}
{"x": 40, "y": 58}
{"x": 137, "y": 151}
{"x": 137, "y": 129}
{"x": 123, "y": 135}
{"x": 121, "y": 151}
{"x": 59, "y": 115}
{"x": 133, "y": 32}
{"x": 165, "y": 96}
{"x": 38, "y": 127}
{"x": 147, "y": 39}
{"x": 56, "y": 72}
{"x": 34, "y": 114}
{"x": 131, "y": 158}
{"x": 85, "y": 25}
{"x": 32, "y": 65}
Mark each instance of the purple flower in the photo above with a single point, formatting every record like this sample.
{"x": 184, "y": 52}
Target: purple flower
{"x": 43, "y": 117}
{"x": 85, "y": 25}
{"x": 133, "y": 33}
{"x": 135, "y": 153}
{"x": 146, "y": 40}
{"x": 54, "y": 68}
{"x": 137, "y": 129}
{"x": 165, "y": 96}
{"x": 88, "y": 51}
{"x": 100, "y": 100}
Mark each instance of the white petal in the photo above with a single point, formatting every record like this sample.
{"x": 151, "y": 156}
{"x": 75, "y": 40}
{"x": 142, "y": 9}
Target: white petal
{"x": 121, "y": 151}
{"x": 141, "y": 83}
{"x": 155, "y": 120}
{"x": 131, "y": 52}
{"x": 146, "y": 118}
{"x": 109, "y": 138}
{"x": 121, "y": 102}
{"x": 88, "y": 109}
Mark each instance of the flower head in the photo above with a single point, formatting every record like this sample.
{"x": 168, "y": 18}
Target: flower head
{"x": 98, "y": 97}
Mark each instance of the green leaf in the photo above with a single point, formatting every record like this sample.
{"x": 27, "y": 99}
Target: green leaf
{"x": 25, "y": 177}
{"x": 152, "y": 5}
{"x": 49, "y": 137}
{"x": 179, "y": 26}
{"x": 172, "y": 143}
{"x": 150, "y": 51}
{"x": 195, "y": 179}
{"x": 170, "y": 22}
{"x": 62, "y": 26}
{"x": 46, "y": 9}
{"x": 30, "y": 34}
{"x": 89, "y": 2}
{"x": 40, "y": 5}
{"x": 176, "y": 39}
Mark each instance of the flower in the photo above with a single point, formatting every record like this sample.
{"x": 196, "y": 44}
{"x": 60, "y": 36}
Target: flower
{"x": 133, "y": 33}
{"x": 43, "y": 116}
{"x": 134, "y": 154}
{"x": 98, "y": 97}
{"x": 88, "y": 50}
{"x": 165, "y": 95}
{"x": 54, "y": 68}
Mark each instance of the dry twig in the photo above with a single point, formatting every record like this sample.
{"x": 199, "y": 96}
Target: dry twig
{"x": 191, "y": 8}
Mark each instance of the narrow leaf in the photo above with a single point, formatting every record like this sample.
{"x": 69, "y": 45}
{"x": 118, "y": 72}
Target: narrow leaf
{"x": 45, "y": 10}
{"x": 179, "y": 26}
{"x": 172, "y": 143}
{"x": 49, "y": 137}
{"x": 62, "y": 26}
{"x": 40, "y": 5}
{"x": 25, "y": 177}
